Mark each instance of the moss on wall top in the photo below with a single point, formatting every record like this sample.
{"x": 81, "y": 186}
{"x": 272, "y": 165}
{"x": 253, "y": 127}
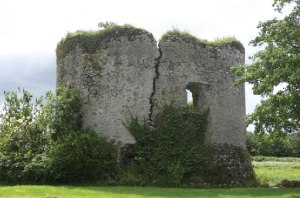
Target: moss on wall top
{"x": 187, "y": 37}
{"x": 89, "y": 41}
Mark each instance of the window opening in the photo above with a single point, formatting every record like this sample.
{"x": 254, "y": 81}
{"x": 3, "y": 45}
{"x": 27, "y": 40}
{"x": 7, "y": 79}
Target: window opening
{"x": 189, "y": 98}
{"x": 194, "y": 89}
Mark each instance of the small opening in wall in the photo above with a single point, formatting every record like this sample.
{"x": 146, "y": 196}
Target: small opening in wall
{"x": 193, "y": 90}
{"x": 189, "y": 98}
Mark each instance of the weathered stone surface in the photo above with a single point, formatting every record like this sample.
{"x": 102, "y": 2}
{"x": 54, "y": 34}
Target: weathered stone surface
{"x": 205, "y": 71}
{"x": 122, "y": 83}
{"x": 233, "y": 164}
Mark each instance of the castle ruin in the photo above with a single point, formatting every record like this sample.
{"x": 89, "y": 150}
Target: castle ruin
{"x": 124, "y": 71}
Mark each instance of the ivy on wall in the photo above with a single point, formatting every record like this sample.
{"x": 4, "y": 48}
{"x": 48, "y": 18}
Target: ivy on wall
{"x": 174, "y": 149}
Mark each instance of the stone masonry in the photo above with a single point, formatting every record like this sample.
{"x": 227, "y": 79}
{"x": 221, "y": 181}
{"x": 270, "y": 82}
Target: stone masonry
{"x": 187, "y": 63}
{"x": 124, "y": 83}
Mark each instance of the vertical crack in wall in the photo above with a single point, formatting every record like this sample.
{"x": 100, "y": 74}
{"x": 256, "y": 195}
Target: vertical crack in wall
{"x": 150, "y": 120}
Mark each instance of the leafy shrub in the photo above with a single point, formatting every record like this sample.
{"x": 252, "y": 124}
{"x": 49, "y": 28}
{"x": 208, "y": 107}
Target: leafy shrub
{"x": 290, "y": 184}
{"x": 174, "y": 149}
{"x": 22, "y": 136}
{"x": 81, "y": 157}
{"x": 42, "y": 142}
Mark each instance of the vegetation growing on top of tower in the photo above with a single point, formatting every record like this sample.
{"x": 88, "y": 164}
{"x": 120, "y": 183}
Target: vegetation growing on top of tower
{"x": 88, "y": 39}
{"x": 107, "y": 29}
{"x": 218, "y": 41}
{"x": 106, "y": 24}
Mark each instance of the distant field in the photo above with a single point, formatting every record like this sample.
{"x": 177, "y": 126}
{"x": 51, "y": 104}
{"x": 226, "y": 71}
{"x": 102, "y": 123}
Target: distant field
{"x": 273, "y": 170}
{"x": 275, "y": 159}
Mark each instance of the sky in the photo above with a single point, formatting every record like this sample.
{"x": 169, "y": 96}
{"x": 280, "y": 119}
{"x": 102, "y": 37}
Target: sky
{"x": 30, "y": 31}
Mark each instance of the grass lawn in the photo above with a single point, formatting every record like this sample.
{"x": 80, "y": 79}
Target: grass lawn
{"x": 137, "y": 192}
{"x": 270, "y": 172}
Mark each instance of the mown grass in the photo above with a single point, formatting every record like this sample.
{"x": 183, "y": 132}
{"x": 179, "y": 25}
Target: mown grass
{"x": 140, "y": 192}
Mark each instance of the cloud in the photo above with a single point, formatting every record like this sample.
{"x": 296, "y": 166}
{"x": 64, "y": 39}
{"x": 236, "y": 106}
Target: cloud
{"x": 33, "y": 71}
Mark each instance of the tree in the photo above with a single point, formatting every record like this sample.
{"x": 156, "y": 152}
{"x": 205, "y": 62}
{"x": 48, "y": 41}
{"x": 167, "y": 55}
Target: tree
{"x": 277, "y": 64}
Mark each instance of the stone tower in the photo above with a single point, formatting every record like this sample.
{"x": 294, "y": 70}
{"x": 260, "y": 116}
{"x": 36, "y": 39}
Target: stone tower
{"x": 122, "y": 70}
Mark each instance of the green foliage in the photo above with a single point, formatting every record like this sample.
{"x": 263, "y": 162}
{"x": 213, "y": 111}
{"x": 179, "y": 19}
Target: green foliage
{"x": 65, "y": 112}
{"x": 217, "y": 42}
{"x": 250, "y": 141}
{"x": 42, "y": 142}
{"x": 192, "y": 108}
{"x": 273, "y": 145}
{"x": 174, "y": 149}
{"x": 294, "y": 140}
{"x": 176, "y": 31}
{"x": 277, "y": 64}
{"x": 190, "y": 105}
{"x": 80, "y": 157}
{"x": 90, "y": 41}
{"x": 23, "y": 134}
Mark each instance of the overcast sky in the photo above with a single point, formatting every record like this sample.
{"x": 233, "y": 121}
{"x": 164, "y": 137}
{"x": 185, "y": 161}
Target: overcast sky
{"x": 30, "y": 30}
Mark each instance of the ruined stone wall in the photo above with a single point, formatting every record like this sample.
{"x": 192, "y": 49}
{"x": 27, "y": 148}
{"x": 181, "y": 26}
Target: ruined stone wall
{"x": 187, "y": 63}
{"x": 114, "y": 80}
{"x": 126, "y": 73}
{"x": 123, "y": 71}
